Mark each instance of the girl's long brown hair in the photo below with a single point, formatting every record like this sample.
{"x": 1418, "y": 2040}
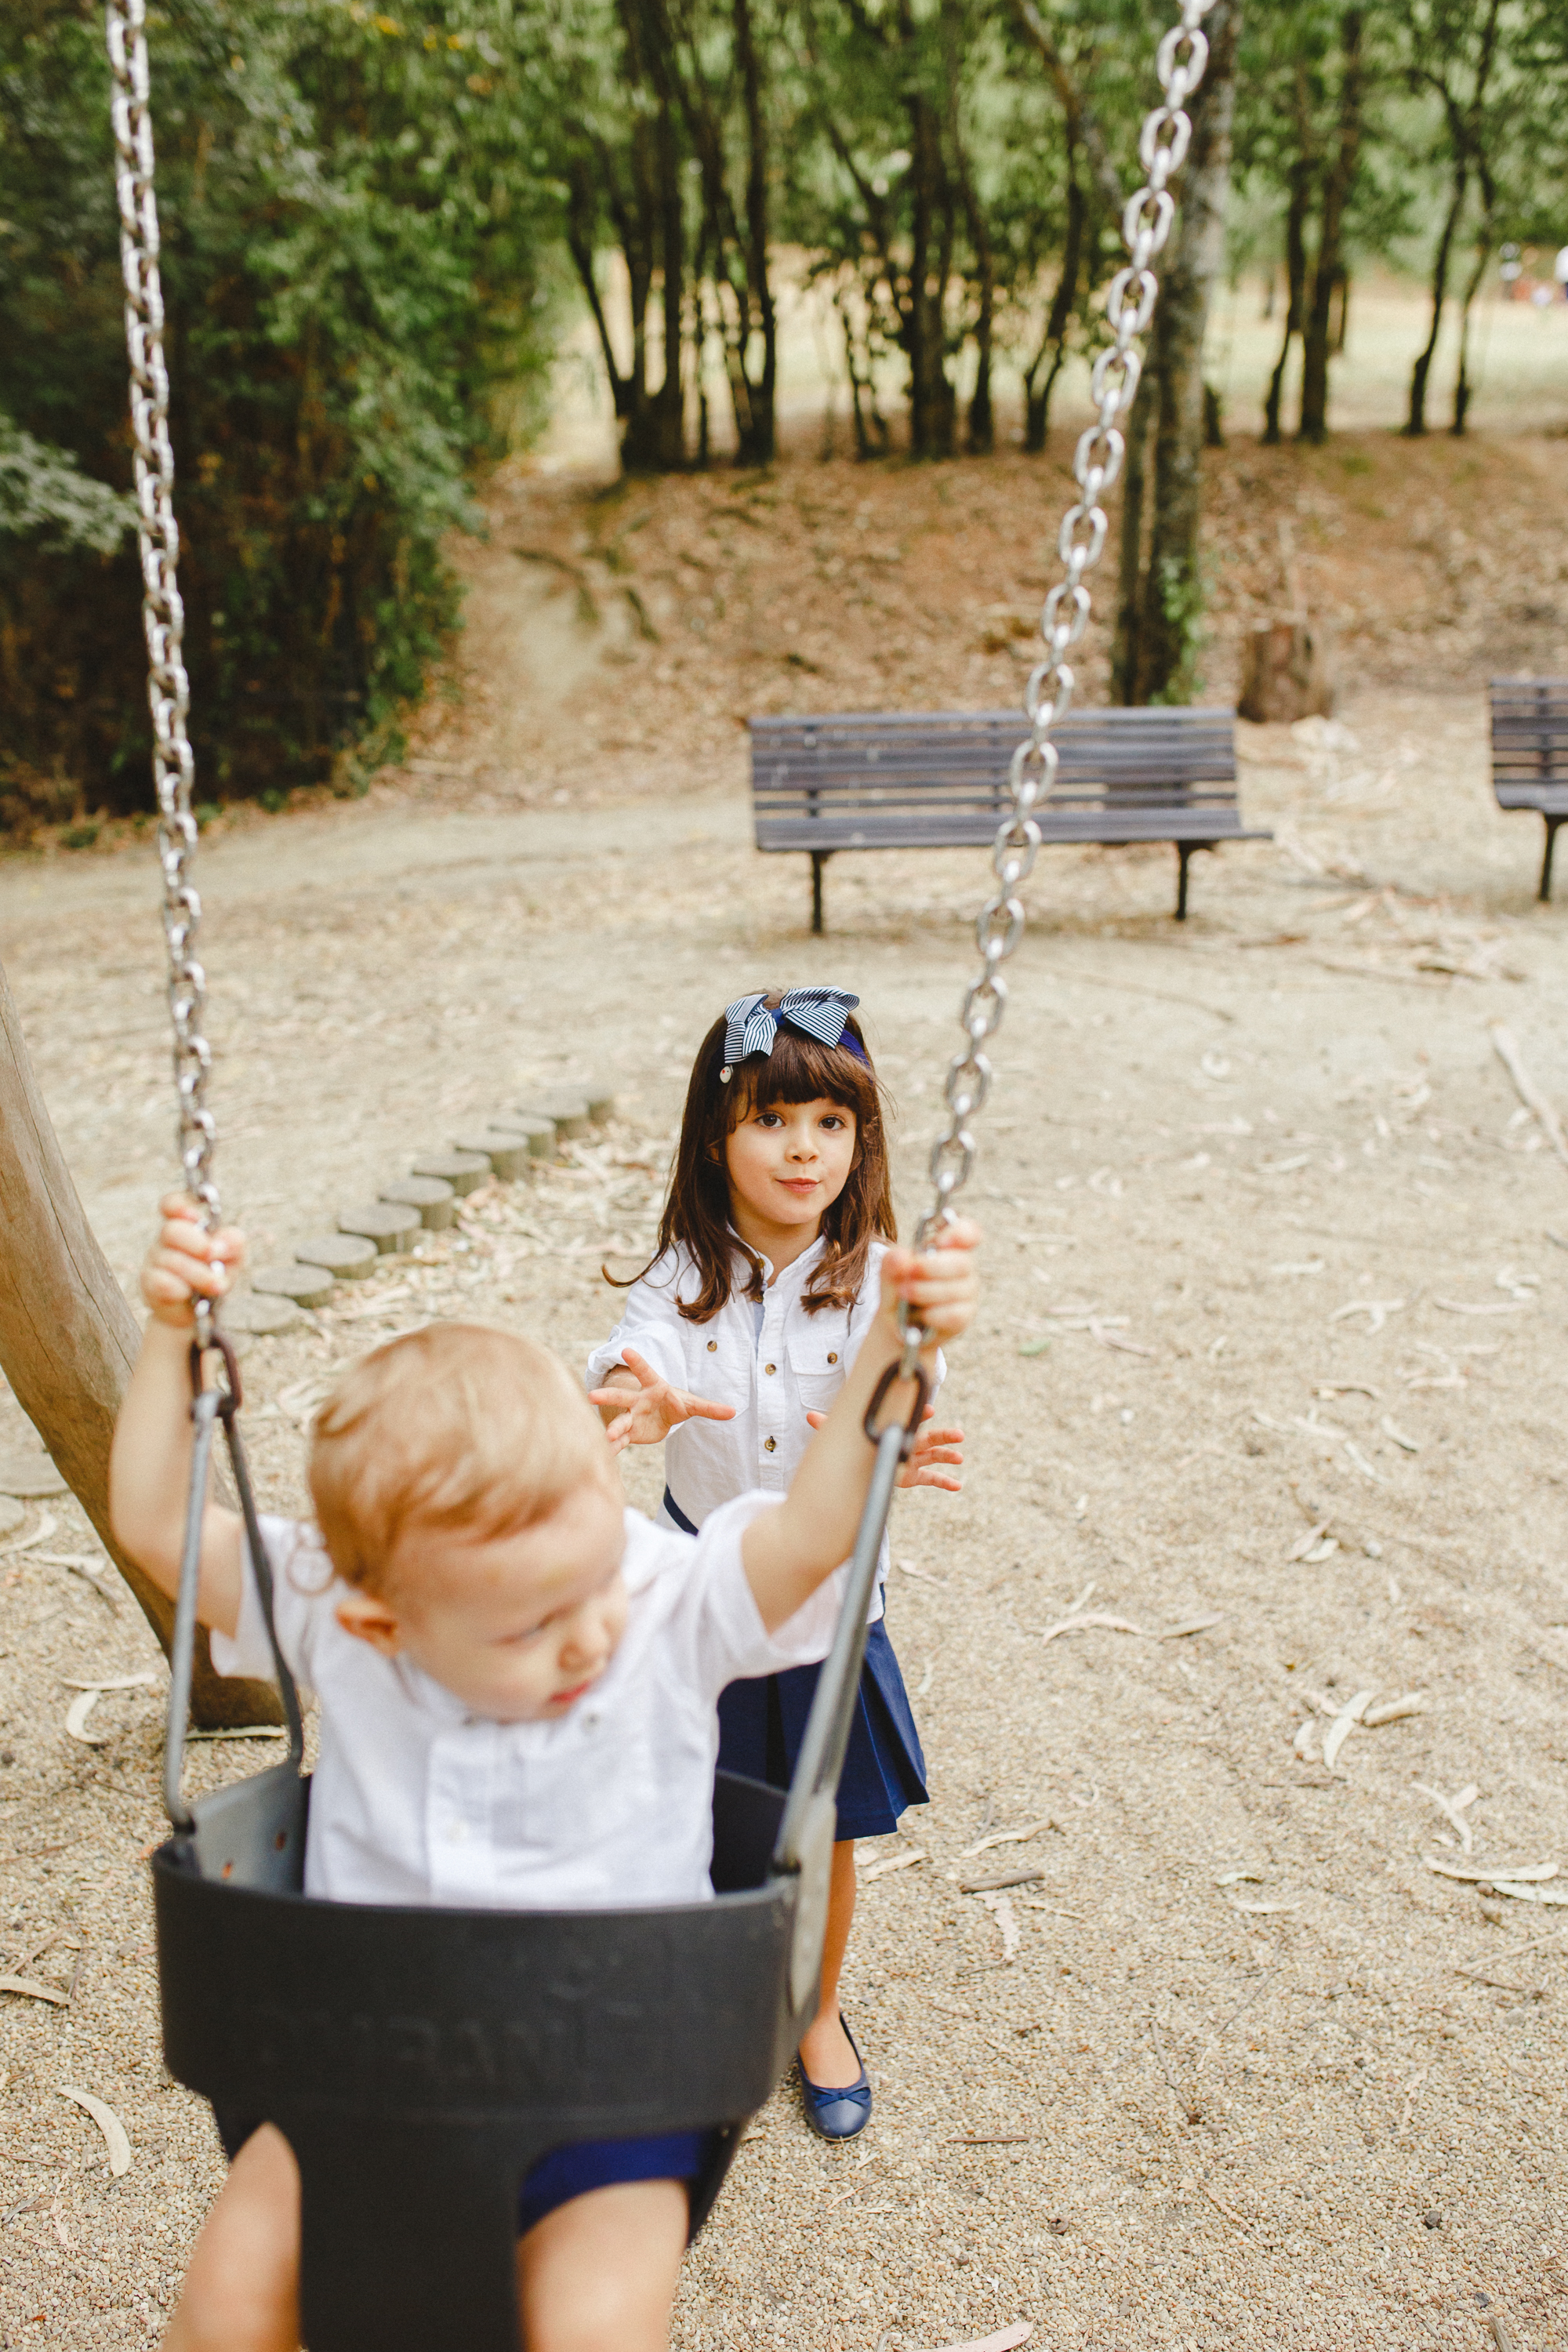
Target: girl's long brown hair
{"x": 696, "y": 1212}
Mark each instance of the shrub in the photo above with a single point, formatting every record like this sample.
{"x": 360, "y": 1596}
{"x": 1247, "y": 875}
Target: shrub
{"x": 349, "y": 218}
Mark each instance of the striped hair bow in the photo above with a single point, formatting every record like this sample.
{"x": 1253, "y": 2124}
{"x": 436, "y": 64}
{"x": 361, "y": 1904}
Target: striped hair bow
{"x": 752, "y": 1023}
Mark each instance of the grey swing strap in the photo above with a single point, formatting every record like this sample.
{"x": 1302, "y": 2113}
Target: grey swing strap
{"x": 821, "y": 1757}
{"x": 209, "y": 1406}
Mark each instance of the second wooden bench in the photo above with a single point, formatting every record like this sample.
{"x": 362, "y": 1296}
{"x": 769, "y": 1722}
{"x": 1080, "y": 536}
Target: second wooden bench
{"x": 938, "y": 779}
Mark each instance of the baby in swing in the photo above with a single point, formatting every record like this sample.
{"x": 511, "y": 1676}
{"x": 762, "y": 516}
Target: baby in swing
{"x": 518, "y": 1681}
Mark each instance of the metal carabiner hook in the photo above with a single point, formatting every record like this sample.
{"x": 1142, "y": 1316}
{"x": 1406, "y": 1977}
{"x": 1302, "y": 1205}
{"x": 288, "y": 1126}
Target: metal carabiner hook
{"x": 896, "y": 1372}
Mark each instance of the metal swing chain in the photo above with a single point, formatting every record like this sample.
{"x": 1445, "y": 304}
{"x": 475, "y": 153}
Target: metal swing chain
{"x": 1146, "y": 219}
{"x": 163, "y": 614}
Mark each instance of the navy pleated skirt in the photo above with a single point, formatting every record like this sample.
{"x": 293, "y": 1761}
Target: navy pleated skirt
{"x": 763, "y": 1722}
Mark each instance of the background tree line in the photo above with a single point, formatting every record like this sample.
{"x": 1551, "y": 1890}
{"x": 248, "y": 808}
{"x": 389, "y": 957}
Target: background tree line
{"x": 376, "y": 225}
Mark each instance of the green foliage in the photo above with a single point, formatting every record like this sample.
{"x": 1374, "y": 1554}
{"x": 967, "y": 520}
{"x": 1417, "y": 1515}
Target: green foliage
{"x": 351, "y": 264}
{"x": 48, "y": 500}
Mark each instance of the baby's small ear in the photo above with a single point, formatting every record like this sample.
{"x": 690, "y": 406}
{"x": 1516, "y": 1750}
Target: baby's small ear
{"x": 369, "y": 1619}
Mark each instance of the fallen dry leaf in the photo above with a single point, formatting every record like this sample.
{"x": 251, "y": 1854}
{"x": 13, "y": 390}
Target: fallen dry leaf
{"x": 1453, "y": 1809}
{"x": 1093, "y": 1617}
{"x": 1472, "y": 1872}
{"x": 1006, "y": 1918}
{"x": 1006, "y": 1837}
{"x": 1344, "y": 1724}
{"x": 894, "y": 1862}
{"x": 32, "y": 1990}
{"x": 114, "y": 2132}
{"x": 1394, "y": 1710}
{"x": 1004, "y": 2340}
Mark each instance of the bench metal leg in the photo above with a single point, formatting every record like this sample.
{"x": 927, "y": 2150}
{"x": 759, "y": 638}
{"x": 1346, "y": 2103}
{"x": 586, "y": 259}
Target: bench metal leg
{"x": 1551, "y": 824}
{"x": 819, "y": 859}
{"x": 1184, "y": 851}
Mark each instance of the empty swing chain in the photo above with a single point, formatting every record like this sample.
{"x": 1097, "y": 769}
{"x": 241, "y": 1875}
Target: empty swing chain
{"x": 163, "y": 614}
{"x": 1146, "y": 220}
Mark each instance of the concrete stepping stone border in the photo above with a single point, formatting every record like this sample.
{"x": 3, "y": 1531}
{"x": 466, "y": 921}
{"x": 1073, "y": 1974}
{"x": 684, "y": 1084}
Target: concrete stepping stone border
{"x": 29, "y": 1477}
{"x": 500, "y": 1145}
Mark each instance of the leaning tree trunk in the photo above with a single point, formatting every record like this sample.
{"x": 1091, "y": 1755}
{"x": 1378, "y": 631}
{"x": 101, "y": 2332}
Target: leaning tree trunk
{"x": 1416, "y": 422}
{"x": 68, "y": 1340}
{"x": 1464, "y": 387}
{"x": 1337, "y": 186}
{"x": 1296, "y": 279}
{"x": 1053, "y": 343}
{"x": 1172, "y": 593}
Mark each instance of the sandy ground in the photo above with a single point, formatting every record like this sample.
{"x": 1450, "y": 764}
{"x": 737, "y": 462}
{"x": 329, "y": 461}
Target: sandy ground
{"x": 1273, "y": 1334}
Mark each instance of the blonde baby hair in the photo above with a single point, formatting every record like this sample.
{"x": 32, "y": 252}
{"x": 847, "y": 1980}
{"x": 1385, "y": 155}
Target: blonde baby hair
{"x": 456, "y": 1425}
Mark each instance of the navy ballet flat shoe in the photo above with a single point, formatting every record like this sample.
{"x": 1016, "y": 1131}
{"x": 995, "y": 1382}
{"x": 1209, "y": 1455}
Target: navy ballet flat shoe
{"x": 840, "y": 2110}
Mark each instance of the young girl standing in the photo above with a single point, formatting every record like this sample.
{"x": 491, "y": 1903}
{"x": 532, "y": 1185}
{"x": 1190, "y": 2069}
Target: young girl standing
{"x": 735, "y": 1340}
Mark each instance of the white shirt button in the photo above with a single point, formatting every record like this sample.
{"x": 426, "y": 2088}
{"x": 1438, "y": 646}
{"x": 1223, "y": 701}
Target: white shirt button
{"x": 770, "y": 1444}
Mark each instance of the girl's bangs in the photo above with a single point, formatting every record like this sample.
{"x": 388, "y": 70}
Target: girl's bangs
{"x": 800, "y": 1069}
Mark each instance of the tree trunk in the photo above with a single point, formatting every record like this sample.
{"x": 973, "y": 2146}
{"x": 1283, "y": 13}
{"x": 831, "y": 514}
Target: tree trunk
{"x": 1171, "y": 592}
{"x": 68, "y": 1340}
{"x": 1415, "y": 423}
{"x": 1337, "y": 186}
{"x": 930, "y": 393}
{"x": 1475, "y": 129}
{"x": 1037, "y": 403}
{"x": 982, "y": 423}
{"x": 870, "y": 426}
{"x": 669, "y": 404}
{"x": 763, "y": 389}
{"x": 1135, "y": 468}
{"x": 1287, "y": 672}
{"x": 1463, "y": 388}
{"x": 636, "y": 225}
{"x": 1295, "y": 280}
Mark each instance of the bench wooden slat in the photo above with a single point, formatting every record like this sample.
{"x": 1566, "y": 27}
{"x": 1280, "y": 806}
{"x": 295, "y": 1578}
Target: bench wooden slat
{"x": 1099, "y": 824}
{"x": 1530, "y": 753}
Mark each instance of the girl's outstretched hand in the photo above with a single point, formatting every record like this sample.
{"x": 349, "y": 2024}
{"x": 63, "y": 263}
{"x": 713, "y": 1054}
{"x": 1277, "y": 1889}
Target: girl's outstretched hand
{"x": 653, "y": 1408}
{"x": 933, "y": 1448}
{"x": 186, "y": 1262}
{"x": 938, "y": 1282}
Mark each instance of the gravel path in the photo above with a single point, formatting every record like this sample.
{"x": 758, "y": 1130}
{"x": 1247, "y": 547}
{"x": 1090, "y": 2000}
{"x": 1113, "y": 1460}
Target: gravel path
{"x": 1272, "y": 1337}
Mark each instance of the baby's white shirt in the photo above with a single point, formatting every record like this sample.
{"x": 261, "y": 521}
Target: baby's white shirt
{"x": 415, "y": 1801}
{"x": 795, "y": 1363}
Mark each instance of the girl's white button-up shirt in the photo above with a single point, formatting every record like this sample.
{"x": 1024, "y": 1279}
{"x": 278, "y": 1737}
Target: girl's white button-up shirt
{"x": 415, "y": 1801}
{"x": 773, "y": 1369}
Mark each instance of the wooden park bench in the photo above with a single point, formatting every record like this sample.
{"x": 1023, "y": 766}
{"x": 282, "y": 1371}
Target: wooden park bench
{"x": 938, "y": 779}
{"x": 1530, "y": 753}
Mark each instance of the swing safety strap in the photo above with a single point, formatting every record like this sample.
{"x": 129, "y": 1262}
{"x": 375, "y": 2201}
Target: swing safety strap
{"x": 808, "y": 1826}
{"x": 210, "y": 1406}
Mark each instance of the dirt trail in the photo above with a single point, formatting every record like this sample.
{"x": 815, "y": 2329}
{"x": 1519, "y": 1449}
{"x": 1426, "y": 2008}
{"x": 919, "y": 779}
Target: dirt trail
{"x": 1274, "y": 1334}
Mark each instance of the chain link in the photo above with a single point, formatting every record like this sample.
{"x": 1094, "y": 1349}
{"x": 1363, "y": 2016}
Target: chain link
{"x": 1146, "y": 221}
{"x": 163, "y": 614}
